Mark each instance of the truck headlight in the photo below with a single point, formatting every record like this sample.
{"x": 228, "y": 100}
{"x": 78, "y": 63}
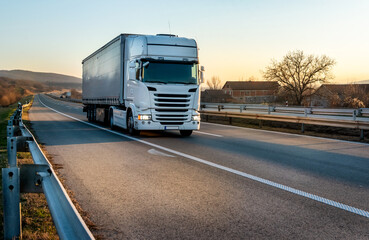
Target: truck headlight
{"x": 144, "y": 117}
{"x": 196, "y": 118}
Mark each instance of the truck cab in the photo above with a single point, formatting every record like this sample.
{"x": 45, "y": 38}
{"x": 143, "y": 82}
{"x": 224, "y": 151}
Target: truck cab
{"x": 162, "y": 90}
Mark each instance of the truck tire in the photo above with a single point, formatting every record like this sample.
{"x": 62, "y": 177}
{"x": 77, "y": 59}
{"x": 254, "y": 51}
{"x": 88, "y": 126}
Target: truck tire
{"x": 111, "y": 120}
{"x": 185, "y": 133}
{"x": 89, "y": 112}
{"x": 131, "y": 124}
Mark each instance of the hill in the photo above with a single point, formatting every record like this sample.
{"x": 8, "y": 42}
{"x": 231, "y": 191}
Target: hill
{"x": 51, "y": 79}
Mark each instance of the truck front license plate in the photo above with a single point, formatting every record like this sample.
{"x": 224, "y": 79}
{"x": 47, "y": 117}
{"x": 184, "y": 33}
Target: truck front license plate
{"x": 170, "y": 128}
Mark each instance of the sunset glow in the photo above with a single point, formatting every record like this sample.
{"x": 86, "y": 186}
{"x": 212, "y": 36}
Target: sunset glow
{"x": 237, "y": 39}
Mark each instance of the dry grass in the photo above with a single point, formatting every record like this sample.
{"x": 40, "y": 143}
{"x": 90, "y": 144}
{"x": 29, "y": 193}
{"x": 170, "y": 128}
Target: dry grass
{"x": 5, "y": 113}
{"x": 37, "y": 222}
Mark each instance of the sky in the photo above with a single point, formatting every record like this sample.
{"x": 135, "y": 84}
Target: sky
{"x": 237, "y": 38}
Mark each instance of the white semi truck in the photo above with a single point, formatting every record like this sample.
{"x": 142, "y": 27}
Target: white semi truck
{"x": 144, "y": 82}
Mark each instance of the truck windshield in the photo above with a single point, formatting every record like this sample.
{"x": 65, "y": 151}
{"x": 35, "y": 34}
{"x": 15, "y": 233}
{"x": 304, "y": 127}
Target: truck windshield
{"x": 167, "y": 72}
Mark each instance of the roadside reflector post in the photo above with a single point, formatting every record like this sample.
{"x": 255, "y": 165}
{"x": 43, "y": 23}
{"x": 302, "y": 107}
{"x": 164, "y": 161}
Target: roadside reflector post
{"x": 11, "y": 201}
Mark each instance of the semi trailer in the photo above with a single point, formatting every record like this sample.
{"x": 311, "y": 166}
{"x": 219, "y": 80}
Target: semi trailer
{"x": 144, "y": 82}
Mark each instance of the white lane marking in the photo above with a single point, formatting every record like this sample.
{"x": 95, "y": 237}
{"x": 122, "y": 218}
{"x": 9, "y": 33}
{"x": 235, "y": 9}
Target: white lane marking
{"x": 158, "y": 153}
{"x": 246, "y": 175}
{"x": 283, "y": 133}
{"x": 206, "y": 133}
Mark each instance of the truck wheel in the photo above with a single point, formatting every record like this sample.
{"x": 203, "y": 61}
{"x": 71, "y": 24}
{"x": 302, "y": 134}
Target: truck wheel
{"x": 111, "y": 121}
{"x": 131, "y": 124}
{"x": 185, "y": 133}
{"x": 89, "y": 112}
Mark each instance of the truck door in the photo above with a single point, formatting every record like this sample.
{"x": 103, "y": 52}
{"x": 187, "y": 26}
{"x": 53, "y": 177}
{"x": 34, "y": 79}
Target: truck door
{"x": 133, "y": 81}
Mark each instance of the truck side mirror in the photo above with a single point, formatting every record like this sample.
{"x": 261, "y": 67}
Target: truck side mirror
{"x": 202, "y": 78}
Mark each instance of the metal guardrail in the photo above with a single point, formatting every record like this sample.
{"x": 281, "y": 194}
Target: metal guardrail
{"x": 359, "y": 112}
{"x": 35, "y": 178}
{"x": 263, "y": 112}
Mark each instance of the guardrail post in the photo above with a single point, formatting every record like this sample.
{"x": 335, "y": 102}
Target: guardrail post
{"x": 302, "y": 128}
{"x": 11, "y": 200}
{"x": 219, "y": 107}
{"x": 12, "y": 151}
{"x": 241, "y": 107}
{"x": 354, "y": 115}
{"x": 10, "y": 131}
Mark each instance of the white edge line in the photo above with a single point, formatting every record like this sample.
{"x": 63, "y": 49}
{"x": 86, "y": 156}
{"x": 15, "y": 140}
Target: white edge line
{"x": 284, "y": 133}
{"x": 246, "y": 175}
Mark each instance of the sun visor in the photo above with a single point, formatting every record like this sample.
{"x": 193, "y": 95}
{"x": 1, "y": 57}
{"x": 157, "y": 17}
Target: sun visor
{"x": 172, "y": 51}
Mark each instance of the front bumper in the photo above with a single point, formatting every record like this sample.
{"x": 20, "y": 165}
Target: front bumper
{"x": 151, "y": 125}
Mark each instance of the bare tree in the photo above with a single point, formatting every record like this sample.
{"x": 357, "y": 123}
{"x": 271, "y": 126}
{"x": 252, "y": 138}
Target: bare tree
{"x": 298, "y": 73}
{"x": 214, "y": 83}
{"x": 251, "y": 78}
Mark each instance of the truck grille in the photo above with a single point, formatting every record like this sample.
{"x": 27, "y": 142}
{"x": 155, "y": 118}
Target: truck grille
{"x": 172, "y": 109}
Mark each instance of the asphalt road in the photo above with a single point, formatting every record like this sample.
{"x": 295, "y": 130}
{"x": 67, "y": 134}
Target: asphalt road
{"x": 223, "y": 182}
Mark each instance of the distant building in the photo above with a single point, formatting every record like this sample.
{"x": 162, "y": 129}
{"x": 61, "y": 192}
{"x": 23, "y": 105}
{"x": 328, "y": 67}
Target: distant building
{"x": 329, "y": 94}
{"x": 252, "y": 91}
{"x": 215, "y": 96}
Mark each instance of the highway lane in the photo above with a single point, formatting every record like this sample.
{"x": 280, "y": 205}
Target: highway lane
{"x": 144, "y": 194}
